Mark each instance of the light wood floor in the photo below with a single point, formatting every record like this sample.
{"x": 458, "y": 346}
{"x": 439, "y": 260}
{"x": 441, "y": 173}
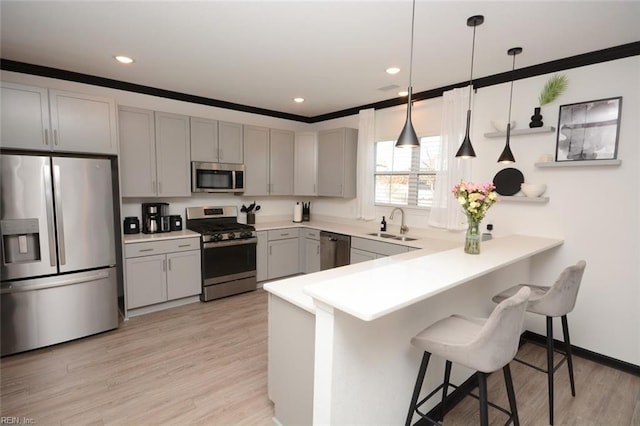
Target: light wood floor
{"x": 206, "y": 363}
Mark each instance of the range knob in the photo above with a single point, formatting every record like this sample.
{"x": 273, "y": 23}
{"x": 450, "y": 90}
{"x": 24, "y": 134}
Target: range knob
{"x": 216, "y": 237}
{"x": 245, "y": 234}
{"x": 231, "y": 236}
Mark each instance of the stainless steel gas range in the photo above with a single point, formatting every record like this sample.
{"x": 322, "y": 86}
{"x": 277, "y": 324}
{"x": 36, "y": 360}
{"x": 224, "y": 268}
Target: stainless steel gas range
{"x": 228, "y": 251}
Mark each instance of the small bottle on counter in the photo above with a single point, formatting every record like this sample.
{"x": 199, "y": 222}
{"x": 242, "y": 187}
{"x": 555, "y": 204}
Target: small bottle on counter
{"x": 487, "y": 235}
{"x": 383, "y": 224}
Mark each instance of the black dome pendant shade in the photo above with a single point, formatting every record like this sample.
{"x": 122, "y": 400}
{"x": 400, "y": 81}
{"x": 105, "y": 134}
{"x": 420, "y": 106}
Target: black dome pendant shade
{"x": 466, "y": 149}
{"x": 507, "y": 156}
{"x": 408, "y": 137}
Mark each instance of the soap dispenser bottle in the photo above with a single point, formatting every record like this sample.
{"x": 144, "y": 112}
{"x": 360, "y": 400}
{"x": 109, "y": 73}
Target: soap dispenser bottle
{"x": 383, "y": 224}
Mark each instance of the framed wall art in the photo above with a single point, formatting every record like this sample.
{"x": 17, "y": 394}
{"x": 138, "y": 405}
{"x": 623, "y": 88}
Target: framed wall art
{"x": 589, "y": 130}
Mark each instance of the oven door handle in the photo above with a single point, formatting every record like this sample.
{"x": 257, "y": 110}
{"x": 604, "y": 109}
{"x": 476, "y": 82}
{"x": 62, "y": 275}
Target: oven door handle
{"x": 227, "y": 243}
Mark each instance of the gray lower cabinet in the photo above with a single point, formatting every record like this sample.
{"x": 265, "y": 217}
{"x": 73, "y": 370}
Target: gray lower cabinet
{"x": 283, "y": 252}
{"x": 161, "y": 271}
{"x": 364, "y": 249}
{"x": 262, "y": 257}
{"x": 358, "y": 256}
{"x": 311, "y": 250}
{"x": 36, "y": 118}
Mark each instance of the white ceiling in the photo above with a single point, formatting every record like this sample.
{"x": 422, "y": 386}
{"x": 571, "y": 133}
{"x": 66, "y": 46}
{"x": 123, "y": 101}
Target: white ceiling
{"x": 332, "y": 53}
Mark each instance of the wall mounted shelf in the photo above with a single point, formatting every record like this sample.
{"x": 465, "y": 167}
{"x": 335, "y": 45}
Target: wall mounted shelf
{"x": 519, "y": 132}
{"x": 587, "y": 163}
{"x": 523, "y": 199}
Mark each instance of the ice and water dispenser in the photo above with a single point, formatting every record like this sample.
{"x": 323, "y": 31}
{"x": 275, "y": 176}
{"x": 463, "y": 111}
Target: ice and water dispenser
{"x": 20, "y": 240}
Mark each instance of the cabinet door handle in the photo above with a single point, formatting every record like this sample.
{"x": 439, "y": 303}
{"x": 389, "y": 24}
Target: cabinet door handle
{"x": 318, "y": 249}
{"x": 159, "y": 187}
{"x": 46, "y": 136}
{"x": 149, "y": 249}
{"x": 164, "y": 265}
{"x": 184, "y": 245}
{"x": 169, "y": 264}
{"x": 55, "y": 136}
{"x": 270, "y": 250}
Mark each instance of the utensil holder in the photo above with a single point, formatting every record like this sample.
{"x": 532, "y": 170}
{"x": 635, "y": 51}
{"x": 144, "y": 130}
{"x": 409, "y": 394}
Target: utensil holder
{"x": 251, "y": 218}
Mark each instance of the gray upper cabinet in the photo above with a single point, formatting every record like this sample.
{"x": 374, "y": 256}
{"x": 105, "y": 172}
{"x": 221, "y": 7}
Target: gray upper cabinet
{"x": 173, "y": 156}
{"x": 305, "y": 166}
{"x": 230, "y": 141}
{"x": 154, "y": 153}
{"x": 268, "y": 161}
{"x": 256, "y": 160}
{"x": 137, "y": 152}
{"x": 41, "y": 119}
{"x": 204, "y": 140}
{"x": 281, "y": 147}
{"x": 337, "y": 162}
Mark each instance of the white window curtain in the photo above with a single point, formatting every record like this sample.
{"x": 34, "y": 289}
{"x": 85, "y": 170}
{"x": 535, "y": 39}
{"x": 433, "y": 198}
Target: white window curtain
{"x": 446, "y": 211}
{"x": 365, "y": 168}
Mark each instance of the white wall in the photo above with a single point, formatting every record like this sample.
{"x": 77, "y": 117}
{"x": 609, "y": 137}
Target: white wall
{"x": 596, "y": 209}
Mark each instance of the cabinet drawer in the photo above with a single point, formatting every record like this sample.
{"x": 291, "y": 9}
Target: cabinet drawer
{"x": 161, "y": 247}
{"x": 313, "y": 234}
{"x": 281, "y": 234}
{"x": 387, "y": 249}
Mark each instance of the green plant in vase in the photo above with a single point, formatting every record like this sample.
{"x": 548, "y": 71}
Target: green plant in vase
{"x": 553, "y": 88}
{"x": 475, "y": 200}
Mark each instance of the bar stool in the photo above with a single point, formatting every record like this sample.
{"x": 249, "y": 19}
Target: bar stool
{"x": 555, "y": 301}
{"x": 484, "y": 345}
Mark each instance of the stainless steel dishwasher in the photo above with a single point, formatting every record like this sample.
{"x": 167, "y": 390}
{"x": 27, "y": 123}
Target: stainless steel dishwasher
{"x": 334, "y": 250}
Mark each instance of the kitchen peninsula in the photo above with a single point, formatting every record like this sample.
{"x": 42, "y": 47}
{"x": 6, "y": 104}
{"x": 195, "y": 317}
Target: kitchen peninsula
{"x": 339, "y": 340}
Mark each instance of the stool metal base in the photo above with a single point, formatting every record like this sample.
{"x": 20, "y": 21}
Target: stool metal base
{"x": 482, "y": 397}
{"x": 551, "y": 368}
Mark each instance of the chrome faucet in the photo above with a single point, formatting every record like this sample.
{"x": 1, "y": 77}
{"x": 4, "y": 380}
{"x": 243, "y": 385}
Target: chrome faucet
{"x": 403, "y": 228}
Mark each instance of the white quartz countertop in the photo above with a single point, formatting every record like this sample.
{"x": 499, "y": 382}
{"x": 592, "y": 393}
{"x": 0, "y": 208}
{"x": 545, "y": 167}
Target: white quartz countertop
{"x": 370, "y": 290}
{"x": 159, "y": 236}
{"x": 435, "y": 241}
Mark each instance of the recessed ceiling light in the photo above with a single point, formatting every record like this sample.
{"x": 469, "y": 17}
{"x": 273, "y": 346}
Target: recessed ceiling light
{"x": 298, "y": 100}
{"x": 124, "y": 59}
{"x": 403, "y": 93}
{"x": 393, "y": 70}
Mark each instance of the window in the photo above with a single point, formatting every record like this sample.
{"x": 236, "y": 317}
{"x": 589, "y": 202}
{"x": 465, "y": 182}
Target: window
{"x": 406, "y": 176}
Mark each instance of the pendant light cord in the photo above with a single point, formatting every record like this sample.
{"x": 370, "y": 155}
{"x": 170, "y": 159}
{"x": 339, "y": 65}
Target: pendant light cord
{"x": 413, "y": 18}
{"x": 511, "y": 94}
{"x": 473, "y": 50}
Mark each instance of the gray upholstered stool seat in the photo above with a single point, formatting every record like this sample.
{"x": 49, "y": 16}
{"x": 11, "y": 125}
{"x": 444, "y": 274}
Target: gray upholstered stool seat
{"x": 555, "y": 301}
{"x": 485, "y": 345}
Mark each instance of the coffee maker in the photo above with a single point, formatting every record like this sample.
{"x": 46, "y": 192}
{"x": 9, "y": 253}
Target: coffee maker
{"x": 155, "y": 218}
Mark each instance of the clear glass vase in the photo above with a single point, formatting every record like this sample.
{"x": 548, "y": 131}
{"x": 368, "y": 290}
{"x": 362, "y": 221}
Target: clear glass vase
{"x": 472, "y": 239}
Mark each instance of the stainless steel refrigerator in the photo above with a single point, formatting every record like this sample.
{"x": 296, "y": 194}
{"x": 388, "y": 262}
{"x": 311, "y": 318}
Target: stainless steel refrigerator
{"x": 59, "y": 269}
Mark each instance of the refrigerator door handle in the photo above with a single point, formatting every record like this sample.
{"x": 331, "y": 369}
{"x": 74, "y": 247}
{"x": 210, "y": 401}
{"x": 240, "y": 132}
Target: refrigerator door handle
{"x": 58, "y": 198}
{"x": 48, "y": 195}
{"x": 95, "y": 277}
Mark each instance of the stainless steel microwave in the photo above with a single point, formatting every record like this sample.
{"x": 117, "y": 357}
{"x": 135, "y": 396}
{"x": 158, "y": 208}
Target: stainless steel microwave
{"x": 217, "y": 177}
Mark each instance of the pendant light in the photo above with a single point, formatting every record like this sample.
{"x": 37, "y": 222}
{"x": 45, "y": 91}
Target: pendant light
{"x": 408, "y": 137}
{"x": 507, "y": 155}
{"x": 466, "y": 149}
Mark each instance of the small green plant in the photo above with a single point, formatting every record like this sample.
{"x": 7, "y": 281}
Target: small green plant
{"x": 552, "y": 89}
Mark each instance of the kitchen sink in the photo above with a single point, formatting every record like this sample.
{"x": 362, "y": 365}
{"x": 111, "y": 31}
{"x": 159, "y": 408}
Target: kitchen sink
{"x": 403, "y": 238}
{"x": 391, "y": 236}
{"x": 382, "y": 235}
